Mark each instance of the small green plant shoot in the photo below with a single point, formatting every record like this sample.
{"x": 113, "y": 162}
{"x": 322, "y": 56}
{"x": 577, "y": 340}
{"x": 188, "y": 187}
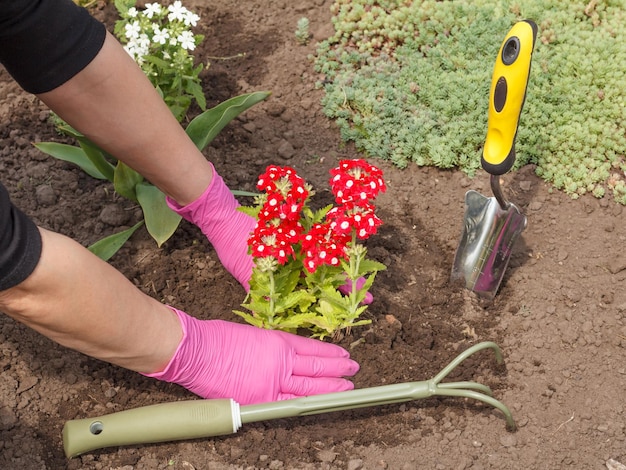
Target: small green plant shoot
{"x": 408, "y": 81}
{"x": 311, "y": 271}
{"x": 159, "y": 39}
{"x": 302, "y": 31}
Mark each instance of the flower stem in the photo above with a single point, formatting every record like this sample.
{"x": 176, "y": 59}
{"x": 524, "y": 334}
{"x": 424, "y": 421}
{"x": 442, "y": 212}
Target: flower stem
{"x": 353, "y": 275}
{"x": 272, "y": 306}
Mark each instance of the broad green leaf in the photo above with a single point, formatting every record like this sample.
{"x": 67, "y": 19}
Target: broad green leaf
{"x": 97, "y": 158}
{"x": 108, "y": 246}
{"x": 161, "y": 221}
{"x": 69, "y": 130}
{"x": 71, "y": 154}
{"x": 92, "y": 151}
{"x": 125, "y": 180}
{"x": 205, "y": 127}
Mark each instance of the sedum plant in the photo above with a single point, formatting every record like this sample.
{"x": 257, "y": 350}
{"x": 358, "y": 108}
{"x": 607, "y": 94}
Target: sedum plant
{"x": 160, "y": 40}
{"x": 302, "y": 31}
{"x": 311, "y": 269}
{"x": 408, "y": 81}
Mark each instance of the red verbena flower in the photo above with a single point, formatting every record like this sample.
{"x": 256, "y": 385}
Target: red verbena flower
{"x": 286, "y": 193}
{"x": 320, "y": 246}
{"x": 276, "y": 241}
{"x": 358, "y": 217}
{"x": 356, "y": 181}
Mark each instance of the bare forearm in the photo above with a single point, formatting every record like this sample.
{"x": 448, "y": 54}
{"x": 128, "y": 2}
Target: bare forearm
{"x": 83, "y": 303}
{"x": 113, "y": 103}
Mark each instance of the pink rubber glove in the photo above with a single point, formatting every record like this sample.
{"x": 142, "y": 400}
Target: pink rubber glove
{"x": 219, "y": 359}
{"x": 215, "y": 213}
{"x": 347, "y": 288}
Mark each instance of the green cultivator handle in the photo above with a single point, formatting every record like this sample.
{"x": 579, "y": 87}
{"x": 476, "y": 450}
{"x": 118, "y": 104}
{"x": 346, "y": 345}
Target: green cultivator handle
{"x": 194, "y": 419}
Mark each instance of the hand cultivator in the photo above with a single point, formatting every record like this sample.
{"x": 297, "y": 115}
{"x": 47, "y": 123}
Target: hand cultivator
{"x": 194, "y": 419}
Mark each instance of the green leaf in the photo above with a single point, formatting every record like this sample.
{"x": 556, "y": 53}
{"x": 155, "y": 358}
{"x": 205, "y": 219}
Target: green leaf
{"x": 298, "y": 298}
{"x": 156, "y": 61}
{"x": 295, "y": 321}
{"x": 125, "y": 181}
{"x": 69, "y": 130}
{"x": 96, "y": 155}
{"x": 205, "y": 127}
{"x": 108, "y": 246}
{"x": 195, "y": 90}
{"x": 71, "y": 154}
{"x": 261, "y": 307}
{"x": 161, "y": 221}
{"x": 239, "y": 192}
{"x": 254, "y": 321}
{"x": 97, "y": 158}
{"x": 123, "y": 6}
{"x": 369, "y": 266}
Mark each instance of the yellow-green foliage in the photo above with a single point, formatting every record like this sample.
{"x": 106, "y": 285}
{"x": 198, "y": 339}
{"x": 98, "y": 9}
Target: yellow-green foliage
{"x": 409, "y": 81}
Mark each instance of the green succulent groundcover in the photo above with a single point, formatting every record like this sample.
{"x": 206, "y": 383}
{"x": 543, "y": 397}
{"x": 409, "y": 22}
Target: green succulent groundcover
{"x": 408, "y": 81}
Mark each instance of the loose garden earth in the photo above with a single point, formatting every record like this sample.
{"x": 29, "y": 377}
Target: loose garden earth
{"x": 560, "y": 316}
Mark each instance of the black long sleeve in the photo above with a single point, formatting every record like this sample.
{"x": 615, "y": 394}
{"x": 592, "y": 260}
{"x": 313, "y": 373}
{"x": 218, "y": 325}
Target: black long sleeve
{"x": 44, "y": 43}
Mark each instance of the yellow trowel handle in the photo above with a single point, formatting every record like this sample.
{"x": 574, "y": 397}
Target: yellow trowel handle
{"x": 506, "y": 98}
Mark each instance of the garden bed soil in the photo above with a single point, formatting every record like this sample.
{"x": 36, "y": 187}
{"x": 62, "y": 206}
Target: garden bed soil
{"x": 560, "y": 316}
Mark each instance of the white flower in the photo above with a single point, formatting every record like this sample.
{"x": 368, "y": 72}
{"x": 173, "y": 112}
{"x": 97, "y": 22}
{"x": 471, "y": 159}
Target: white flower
{"x": 132, "y": 30}
{"x": 152, "y": 9}
{"x": 187, "y": 40}
{"x": 177, "y": 11}
{"x": 132, "y": 12}
{"x": 191, "y": 19}
{"x": 143, "y": 42}
{"x": 160, "y": 35}
{"x": 130, "y": 49}
{"x": 136, "y": 52}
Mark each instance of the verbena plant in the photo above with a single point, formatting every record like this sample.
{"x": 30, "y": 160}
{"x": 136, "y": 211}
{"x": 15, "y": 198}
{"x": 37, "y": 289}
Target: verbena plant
{"x": 408, "y": 81}
{"x": 311, "y": 270}
{"x": 160, "y": 40}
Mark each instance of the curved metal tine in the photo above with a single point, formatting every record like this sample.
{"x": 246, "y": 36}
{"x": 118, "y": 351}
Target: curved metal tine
{"x": 466, "y": 385}
{"x": 510, "y": 422}
{"x": 464, "y": 355}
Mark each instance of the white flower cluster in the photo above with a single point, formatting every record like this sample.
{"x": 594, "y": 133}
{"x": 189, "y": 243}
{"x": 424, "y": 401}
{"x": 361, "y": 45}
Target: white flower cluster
{"x": 158, "y": 26}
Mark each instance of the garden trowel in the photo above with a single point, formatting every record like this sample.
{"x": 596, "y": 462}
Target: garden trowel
{"x": 492, "y": 225}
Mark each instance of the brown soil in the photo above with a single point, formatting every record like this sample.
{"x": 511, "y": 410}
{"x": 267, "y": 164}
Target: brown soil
{"x": 560, "y": 316}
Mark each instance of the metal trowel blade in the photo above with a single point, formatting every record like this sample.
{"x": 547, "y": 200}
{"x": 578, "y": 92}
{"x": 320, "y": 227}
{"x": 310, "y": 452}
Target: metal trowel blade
{"x": 486, "y": 243}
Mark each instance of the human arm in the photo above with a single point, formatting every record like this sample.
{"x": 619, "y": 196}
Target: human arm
{"x": 83, "y": 303}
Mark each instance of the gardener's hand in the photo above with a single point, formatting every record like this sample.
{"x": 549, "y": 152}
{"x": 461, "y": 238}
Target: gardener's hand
{"x": 219, "y": 359}
{"x": 347, "y": 288}
{"x": 215, "y": 213}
